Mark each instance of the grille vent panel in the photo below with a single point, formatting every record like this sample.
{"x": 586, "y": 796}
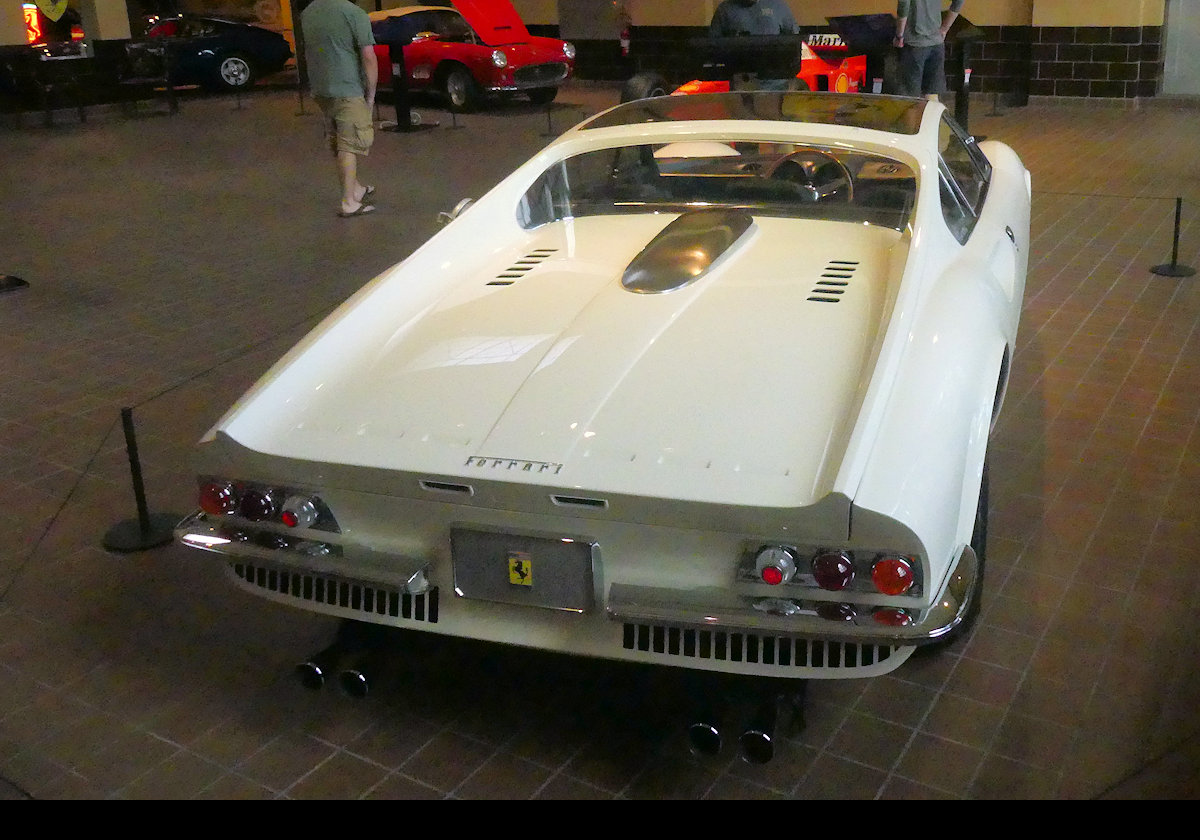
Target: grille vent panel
{"x": 783, "y": 652}
{"x": 370, "y": 599}
{"x": 522, "y": 267}
{"x": 834, "y": 282}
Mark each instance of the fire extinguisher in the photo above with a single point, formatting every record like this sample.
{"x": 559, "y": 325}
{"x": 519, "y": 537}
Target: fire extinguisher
{"x": 625, "y": 42}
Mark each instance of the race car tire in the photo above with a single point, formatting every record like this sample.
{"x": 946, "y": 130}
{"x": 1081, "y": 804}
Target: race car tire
{"x": 543, "y": 96}
{"x": 643, "y": 86}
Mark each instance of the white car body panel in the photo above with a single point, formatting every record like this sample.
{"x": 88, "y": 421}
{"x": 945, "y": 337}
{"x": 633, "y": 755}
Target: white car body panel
{"x": 506, "y": 379}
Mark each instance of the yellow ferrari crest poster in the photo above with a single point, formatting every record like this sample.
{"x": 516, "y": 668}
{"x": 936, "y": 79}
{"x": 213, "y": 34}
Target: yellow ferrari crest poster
{"x": 52, "y": 9}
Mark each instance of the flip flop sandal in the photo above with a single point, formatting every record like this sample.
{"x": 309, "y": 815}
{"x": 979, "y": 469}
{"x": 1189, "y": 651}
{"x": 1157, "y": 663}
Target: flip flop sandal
{"x": 363, "y": 209}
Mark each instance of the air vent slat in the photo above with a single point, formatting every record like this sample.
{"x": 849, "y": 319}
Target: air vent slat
{"x": 355, "y": 596}
{"x": 579, "y": 501}
{"x": 522, "y": 266}
{"x": 447, "y": 487}
{"x": 834, "y": 281}
{"x": 782, "y": 652}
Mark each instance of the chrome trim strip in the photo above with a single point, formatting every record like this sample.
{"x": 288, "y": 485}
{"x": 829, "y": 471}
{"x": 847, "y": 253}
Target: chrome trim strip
{"x": 200, "y": 531}
{"x": 718, "y": 607}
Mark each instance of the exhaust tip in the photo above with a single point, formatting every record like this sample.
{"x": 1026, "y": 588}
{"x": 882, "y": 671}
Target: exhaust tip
{"x": 705, "y": 739}
{"x": 311, "y": 675}
{"x": 354, "y": 682}
{"x": 757, "y": 747}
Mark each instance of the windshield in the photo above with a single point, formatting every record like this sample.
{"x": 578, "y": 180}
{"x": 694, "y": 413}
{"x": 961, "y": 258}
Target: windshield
{"x": 763, "y": 178}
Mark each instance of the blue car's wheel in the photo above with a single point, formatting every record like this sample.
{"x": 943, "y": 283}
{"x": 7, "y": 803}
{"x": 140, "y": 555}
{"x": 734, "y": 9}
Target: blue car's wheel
{"x": 235, "y": 72}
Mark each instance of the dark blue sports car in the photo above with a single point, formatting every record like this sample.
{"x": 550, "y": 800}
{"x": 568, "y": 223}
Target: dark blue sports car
{"x": 219, "y": 54}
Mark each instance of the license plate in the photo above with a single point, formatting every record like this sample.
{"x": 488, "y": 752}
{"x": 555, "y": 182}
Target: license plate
{"x": 538, "y": 571}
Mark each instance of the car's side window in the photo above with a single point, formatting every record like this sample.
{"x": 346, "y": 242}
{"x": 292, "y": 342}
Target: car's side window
{"x": 964, "y": 174}
{"x": 451, "y": 26}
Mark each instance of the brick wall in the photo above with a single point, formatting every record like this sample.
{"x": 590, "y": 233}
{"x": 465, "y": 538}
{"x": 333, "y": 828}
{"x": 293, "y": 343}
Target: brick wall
{"x": 1122, "y": 62}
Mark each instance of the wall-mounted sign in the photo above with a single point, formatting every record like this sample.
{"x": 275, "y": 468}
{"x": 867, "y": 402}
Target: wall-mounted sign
{"x": 53, "y": 9}
{"x": 33, "y": 26}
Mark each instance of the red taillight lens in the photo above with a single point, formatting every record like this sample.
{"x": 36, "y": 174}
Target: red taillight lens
{"x": 772, "y": 575}
{"x": 775, "y": 564}
{"x": 218, "y": 498}
{"x": 299, "y": 512}
{"x": 892, "y": 617}
{"x": 833, "y": 570}
{"x": 892, "y": 575}
{"x": 258, "y": 505}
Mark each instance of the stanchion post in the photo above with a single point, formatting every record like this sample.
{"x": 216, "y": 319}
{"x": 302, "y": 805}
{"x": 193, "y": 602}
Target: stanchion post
{"x": 148, "y": 530}
{"x": 1173, "y": 268}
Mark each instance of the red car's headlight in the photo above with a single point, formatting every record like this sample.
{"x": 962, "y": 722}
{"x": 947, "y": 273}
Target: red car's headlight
{"x": 499, "y": 58}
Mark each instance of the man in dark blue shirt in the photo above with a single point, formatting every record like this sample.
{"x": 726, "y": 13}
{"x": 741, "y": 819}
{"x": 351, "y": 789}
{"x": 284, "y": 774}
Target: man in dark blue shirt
{"x": 752, "y": 17}
{"x": 921, "y": 28}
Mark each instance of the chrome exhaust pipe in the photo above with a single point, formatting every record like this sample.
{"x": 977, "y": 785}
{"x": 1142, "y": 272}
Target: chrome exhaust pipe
{"x": 354, "y": 682}
{"x": 758, "y": 741}
{"x": 316, "y": 669}
{"x": 704, "y": 738}
{"x": 359, "y": 672}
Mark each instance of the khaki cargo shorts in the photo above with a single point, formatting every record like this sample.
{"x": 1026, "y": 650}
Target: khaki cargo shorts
{"x": 348, "y": 124}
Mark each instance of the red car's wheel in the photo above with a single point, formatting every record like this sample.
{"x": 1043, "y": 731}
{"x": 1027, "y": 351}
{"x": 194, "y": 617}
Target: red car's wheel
{"x": 460, "y": 89}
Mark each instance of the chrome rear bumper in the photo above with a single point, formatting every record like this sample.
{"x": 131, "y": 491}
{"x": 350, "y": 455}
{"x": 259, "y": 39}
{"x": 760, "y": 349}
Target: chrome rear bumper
{"x": 720, "y": 608}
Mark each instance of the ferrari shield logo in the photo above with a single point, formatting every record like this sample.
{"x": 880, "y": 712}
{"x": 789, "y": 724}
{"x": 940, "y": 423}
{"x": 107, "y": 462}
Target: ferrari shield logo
{"x": 520, "y": 568}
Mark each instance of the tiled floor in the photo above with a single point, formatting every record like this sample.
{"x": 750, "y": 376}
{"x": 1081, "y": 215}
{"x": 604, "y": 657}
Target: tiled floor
{"x": 170, "y": 259}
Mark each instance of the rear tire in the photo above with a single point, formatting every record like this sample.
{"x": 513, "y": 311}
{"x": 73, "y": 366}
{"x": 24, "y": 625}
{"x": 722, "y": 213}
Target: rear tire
{"x": 979, "y": 546}
{"x": 643, "y": 86}
{"x": 235, "y": 72}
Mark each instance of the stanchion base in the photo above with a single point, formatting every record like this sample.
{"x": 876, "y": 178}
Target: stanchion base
{"x": 1173, "y": 270}
{"x": 8, "y": 283}
{"x": 406, "y": 129}
{"x": 128, "y": 536}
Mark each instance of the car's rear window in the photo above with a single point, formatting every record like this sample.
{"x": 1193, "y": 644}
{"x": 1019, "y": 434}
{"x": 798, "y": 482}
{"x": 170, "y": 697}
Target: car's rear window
{"x": 882, "y": 113}
{"x": 765, "y": 178}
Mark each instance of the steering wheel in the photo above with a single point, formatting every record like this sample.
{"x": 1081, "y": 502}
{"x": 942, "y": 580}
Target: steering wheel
{"x": 822, "y": 176}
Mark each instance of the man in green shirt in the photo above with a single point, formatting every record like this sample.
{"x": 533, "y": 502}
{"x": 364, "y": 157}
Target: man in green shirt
{"x": 339, "y": 55}
{"x": 921, "y": 29}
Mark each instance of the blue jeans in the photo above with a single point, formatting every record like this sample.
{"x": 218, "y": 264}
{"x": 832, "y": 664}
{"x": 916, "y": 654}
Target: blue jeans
{"x": 922, "y": 70}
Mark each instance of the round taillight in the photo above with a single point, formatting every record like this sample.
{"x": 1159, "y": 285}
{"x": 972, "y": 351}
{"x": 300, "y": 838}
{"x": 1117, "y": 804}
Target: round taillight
{"x": 299, "y": 512}
{"x": 775, "y": 564}
{"x": 892, "y": 617}
{"x": 258, "y": 505}
{"x": 833, "y": 570}
{"x": 218, "y": 498}
{"x": 892, "y": 575}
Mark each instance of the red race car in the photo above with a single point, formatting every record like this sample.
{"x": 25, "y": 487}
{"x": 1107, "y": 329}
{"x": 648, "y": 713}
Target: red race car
{"x": 477, "y": 48}
{"x": 823, "y": 62}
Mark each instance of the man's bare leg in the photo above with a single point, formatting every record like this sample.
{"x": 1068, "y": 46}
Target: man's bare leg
{"x": 352, "y": 190}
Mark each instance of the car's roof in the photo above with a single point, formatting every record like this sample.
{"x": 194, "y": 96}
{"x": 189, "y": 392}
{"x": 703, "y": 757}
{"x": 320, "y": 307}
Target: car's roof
{"x": 496, "y": 22}
{"x": 399, "y": 11}
{"x": 898, "y": 115}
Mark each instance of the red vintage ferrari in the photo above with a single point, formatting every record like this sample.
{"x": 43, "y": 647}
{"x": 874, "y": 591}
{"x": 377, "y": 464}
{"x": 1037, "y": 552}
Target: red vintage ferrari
{"x": 466, "y": 53}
